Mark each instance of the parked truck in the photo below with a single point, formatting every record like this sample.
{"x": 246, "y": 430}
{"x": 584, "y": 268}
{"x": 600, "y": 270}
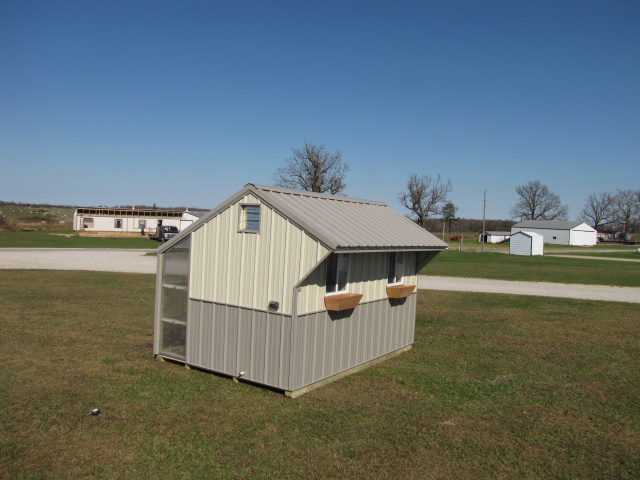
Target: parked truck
{"x": 163, "y": 233}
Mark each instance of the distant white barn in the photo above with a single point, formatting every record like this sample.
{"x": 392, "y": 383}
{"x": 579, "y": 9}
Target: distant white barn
{"x": 559, "y": 233}
{"x": 526, "y": 243}
{"x": 491, "y": 236}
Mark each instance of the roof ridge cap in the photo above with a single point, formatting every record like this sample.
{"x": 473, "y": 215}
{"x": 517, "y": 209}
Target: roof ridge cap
{"x": 321, "y": 196}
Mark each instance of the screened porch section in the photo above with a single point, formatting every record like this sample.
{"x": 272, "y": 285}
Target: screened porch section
{"x": 174, "y": 300}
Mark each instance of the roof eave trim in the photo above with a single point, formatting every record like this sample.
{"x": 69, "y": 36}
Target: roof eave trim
{"x": 365, "y": 249}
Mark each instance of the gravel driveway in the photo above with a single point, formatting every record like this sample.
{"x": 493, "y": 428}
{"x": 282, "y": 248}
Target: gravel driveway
{"x": 136, "y": 261}
{"x": 541, "y": 289}
{"x": 95, "y": 259}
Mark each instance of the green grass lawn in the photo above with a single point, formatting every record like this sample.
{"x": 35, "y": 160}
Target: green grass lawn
{"x": 499, "y": 266}
{"x": 68, "y": 239}
{"x": 495, "y": 387}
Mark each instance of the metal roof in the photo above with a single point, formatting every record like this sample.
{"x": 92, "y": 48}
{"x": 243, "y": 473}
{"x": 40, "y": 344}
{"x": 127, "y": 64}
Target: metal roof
{"x": 496, "y": 232}
{"x": 548, "y": 224}
{"x": 344, "y": 223}
{"x": 198, "y": 213}
{"x": 528, "y": 234}
{"x": 340, "y": 223}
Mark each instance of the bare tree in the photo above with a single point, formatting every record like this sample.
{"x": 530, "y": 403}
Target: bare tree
{"x": 314, "y": 169}
{"x": 627, "y": 210}
{"x": 424, "y": 196}
{"x": 538, "y": 203}
{"x": 598, "y": 211}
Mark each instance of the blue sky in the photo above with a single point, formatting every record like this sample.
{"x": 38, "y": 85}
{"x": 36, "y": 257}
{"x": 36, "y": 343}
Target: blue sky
{"x": 183, "y": 103}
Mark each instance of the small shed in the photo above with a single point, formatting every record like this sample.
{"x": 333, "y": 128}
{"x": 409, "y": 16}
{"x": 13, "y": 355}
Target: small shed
{"x": 491, "y": 236}
{"x": 559, "y": 233}
{"x": 526, "y": 243}
{"x": 290, "y": 289}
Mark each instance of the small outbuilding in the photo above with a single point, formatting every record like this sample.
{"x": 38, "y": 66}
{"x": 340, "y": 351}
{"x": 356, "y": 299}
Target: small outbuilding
{"x": 190, "y": 216}
{"x": 494, "y": 237}
{"x": 526, "y": 243}
{"x": 559, "y": 233}
{"x": 290, "y": 289}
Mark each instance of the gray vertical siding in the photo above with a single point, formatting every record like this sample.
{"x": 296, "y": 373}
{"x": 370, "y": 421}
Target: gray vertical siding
{"x": 231, "y": 340}
{"x": 273, "y": 351}
{"x": 325, "y": 344}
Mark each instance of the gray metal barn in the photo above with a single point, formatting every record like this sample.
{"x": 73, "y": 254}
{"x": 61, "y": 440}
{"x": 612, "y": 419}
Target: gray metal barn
{"x": 559, "y": 233}
{"x": 289, "y": 288}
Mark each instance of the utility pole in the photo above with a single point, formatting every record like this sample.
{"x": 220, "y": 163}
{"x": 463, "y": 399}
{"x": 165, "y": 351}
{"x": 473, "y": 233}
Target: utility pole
{"x": 484, "y": 213}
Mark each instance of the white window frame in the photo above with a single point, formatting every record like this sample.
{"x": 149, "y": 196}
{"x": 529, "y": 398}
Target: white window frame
{"x": 337, "y": 258}
{"x": 142, "y": 223}
{"x": 242, "y": 227}
{"x": 397, "y": 280}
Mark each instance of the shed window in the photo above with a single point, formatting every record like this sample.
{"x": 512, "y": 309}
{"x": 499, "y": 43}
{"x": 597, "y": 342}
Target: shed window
{"x": 88, "y": 223}
{"x": 337, "y": 273}
{"x": 117, "y": 223}
{"x": 250, "y": 218}
{"x": 142, "y": 223}
{"x": 396, "y": 268}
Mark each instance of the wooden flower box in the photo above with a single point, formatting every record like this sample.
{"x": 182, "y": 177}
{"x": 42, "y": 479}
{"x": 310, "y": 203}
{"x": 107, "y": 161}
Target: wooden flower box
{"x": 342, "y": 301}
{"x": 400, "y": 291}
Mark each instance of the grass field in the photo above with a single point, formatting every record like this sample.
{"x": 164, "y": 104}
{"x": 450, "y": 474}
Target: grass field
{"x": 495, "y": 387}
{"x": 36, "y": 217}
{"x": 68, "y": 239}
{"x": 499, "y": 266}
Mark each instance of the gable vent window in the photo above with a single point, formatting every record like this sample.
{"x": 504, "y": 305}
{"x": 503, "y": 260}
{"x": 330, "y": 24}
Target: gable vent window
{"x": 250, "y": 218}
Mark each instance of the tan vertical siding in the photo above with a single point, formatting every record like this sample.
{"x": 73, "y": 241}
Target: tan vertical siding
{"x": 410, "y": 274}
{"x": 251, "y": 269}
{"x": 367, "y": 276}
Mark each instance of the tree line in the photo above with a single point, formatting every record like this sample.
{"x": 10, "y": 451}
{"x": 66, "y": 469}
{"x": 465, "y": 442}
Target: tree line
{"x": 426, "y": 197}
{"x": 619, "y": 212}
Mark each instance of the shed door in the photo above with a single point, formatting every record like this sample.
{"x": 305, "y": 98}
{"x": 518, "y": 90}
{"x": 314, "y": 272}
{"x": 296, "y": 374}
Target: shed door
{"x": 174, "y": 300}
